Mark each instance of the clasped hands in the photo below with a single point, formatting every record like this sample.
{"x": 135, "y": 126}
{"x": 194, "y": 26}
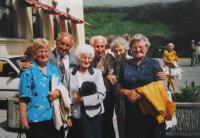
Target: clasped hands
{"x": 132, "y": 94}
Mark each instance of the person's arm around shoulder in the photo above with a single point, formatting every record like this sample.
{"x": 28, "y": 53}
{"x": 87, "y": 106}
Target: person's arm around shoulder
{"x": 160, "y": 74}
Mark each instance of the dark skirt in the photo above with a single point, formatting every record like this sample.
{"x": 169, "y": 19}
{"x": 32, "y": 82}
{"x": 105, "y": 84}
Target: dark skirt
{"x": 43, "y": 129}
{"x": 141, "y": 126}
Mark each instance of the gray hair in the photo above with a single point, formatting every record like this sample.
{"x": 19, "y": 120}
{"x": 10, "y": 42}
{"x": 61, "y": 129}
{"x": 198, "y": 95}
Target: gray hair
{"x": 96, "y": 38}
{"x": 119, "y": 41}
{"x": 84, "y": 48}
{"x": 139, "y": 37}
{"x": 63, "y": 35}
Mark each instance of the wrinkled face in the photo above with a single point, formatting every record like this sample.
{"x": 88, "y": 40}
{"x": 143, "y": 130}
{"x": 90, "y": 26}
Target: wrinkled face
{"x": 64, "y": 45}
{"x": 42, "y": 55}
{"x": 139, "y": 49}
{"x": 85, "y": 60}
{"x": 99, "y": 47}
{"x": 119, "y": 52}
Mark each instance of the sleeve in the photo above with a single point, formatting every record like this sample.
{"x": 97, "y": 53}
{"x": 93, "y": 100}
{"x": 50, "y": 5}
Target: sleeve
{"x": 164, "y": 56}
{"x": 25, "y": 84}
{"x": 176, "y": 57}
{"x": 95, "y": 99}
{"x": 58, "y": 73}
{"x": 121, "y": 74}
{"x": 157, "y": 68}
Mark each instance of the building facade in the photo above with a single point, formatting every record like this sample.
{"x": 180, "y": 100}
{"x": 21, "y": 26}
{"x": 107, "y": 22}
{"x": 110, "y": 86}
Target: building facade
{"x": 21, "y": 21}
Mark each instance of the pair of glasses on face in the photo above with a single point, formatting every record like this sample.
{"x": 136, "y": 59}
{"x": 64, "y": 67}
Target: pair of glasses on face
{"x": 43, "y": 51}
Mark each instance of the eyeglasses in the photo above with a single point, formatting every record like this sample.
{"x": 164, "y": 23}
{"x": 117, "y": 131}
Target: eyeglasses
{"x": 43, "y": 51}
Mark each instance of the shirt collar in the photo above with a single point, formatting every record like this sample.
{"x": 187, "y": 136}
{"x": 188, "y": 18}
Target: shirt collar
{"x": 133, "y": 62}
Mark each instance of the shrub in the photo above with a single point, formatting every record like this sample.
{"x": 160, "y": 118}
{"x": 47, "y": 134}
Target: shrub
{"x": 189, "y": 93}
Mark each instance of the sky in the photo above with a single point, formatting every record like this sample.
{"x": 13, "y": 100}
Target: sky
{"x": 123, "y": 3}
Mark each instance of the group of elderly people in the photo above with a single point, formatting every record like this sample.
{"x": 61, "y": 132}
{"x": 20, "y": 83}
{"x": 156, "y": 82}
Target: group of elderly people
{"x": 96, "y": 82}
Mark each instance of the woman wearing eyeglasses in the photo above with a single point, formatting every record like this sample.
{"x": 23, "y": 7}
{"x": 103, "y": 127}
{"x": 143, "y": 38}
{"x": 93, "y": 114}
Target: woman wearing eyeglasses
{"x": 137, "y": 72}
{"x": 87, "y": 111}
{"x": 36, "y": 95}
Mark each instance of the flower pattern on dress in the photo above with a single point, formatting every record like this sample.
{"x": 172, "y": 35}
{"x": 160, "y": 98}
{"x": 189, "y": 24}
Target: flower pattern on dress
{"x": 35, "y": 85}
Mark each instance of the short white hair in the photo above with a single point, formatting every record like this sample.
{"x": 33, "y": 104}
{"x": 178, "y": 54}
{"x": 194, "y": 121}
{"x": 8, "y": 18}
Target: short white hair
{"x": 84, "y": 49}
{"x": 97, "y": 37}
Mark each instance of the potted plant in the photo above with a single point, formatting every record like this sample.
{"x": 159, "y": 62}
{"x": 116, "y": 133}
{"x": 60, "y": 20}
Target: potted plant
{"x": 188, "y": 111}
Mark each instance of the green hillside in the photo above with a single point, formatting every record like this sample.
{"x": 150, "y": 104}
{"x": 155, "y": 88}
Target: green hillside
{"x": 110, "y": 23}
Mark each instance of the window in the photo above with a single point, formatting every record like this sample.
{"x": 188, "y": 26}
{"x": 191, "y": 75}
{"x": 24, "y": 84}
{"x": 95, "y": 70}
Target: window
{"x": 56, "y": 27}
{"x": 37, "y": 30}
{"x": 6, "y": 19}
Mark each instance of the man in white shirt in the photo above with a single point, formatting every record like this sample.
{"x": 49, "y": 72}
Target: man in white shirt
{"x": 61, "y": 55}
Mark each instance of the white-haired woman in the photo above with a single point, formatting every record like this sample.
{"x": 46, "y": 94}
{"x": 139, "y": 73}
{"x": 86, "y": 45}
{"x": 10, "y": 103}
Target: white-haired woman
{"x": 170, "y": 60}
{"x": 135, "y": 73}
{"x": 86, "y": 110}
{"x": 119, "y": 46}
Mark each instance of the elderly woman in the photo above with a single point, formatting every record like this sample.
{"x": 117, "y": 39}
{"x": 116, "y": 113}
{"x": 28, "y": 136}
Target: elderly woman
{"x": 86, "y": 110}
{"x": 135, "y": 73}
{"x": 35, "y": 93}
{"x": 119, "y": 47}
{"x": 170, "y": 59}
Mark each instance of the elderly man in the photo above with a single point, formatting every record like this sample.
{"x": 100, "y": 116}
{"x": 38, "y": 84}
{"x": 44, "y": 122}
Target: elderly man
{"x": 99, "y": 44}
{"x": 102, "y": 61}
{"x": 61, "y": 55}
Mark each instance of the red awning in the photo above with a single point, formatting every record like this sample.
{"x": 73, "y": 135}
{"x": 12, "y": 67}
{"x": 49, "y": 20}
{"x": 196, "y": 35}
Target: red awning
{"x": 76, "y": 20}
{"x": 31, "y": 2}
{"x": 51, "y": 10}
{"x": 72, "y": 18}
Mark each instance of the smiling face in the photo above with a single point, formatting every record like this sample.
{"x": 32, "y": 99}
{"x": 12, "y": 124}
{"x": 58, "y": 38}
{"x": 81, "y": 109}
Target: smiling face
{"x": 42, "y": 55}
{"x": 85, "y": 60}
{"x": 139, "y": 49}
{"x": 64, "y": 45}
{"x": 170, "y": 47}
{"x": 119, "y": 52}
{"x": 99, "y": 47}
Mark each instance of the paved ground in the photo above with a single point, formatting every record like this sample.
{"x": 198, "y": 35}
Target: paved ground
{"x": 190, "y": 74}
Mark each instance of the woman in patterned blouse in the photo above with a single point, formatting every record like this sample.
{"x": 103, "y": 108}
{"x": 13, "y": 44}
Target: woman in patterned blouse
{"x": 35, "y": 93}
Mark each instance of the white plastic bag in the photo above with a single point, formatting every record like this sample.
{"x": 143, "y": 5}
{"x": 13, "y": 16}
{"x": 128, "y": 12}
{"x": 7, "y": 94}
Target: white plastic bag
{"x": 173, "y": 122}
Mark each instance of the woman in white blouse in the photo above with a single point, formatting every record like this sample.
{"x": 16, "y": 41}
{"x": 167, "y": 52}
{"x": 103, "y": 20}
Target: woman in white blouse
{"x": 86, "y": 110}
